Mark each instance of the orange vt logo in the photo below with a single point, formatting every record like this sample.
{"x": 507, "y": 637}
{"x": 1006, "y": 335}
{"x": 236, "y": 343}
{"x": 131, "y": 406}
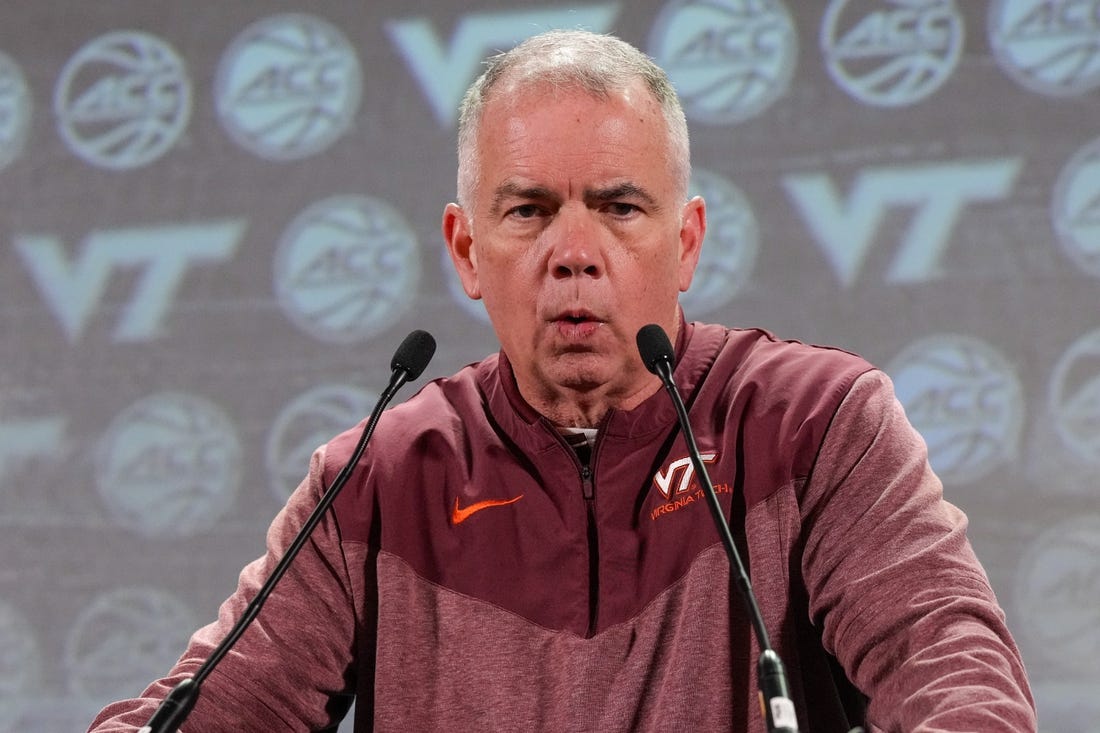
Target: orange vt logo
{"x": 460, "y": 515}
{"x": 682, "y": 469}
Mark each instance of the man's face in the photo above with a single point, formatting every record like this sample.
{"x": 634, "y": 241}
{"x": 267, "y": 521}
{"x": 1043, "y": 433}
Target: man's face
{"x": 578, "y": 237}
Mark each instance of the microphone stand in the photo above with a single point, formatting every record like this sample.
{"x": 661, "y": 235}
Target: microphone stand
{"x": 775, "y": 702}
{"x": 408, "y": 362}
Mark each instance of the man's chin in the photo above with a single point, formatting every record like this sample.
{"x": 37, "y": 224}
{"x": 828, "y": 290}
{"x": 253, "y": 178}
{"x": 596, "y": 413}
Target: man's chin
{"x": 582, "y": 370}
{"x": 592, "y": 373}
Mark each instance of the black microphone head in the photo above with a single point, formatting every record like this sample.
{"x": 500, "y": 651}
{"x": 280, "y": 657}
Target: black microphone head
{"x": 655, "y": 348}
{"x": 414, "y": 353}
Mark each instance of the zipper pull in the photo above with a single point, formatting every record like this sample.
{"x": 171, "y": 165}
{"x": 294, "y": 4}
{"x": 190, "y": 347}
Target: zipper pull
{"x": 586, "y": 483}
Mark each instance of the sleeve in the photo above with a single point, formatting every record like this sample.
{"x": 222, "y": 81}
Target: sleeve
{"x": 902, "y": 601}
{"x": 292, "y": 667}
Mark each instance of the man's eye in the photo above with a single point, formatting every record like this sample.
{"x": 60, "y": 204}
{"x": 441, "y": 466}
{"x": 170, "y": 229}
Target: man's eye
{"x": 526, "y": 211}
{"x": 618, "y": 208}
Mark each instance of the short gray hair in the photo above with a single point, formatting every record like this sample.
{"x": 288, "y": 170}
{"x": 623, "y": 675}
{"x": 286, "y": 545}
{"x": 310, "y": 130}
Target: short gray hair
{"x": 599, "y": 64}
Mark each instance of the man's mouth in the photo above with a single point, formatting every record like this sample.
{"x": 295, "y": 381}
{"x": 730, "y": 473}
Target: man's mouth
{"x": 576, "y": 324}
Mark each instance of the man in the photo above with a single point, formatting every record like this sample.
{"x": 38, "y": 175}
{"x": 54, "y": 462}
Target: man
{"x": 521, "y": 548}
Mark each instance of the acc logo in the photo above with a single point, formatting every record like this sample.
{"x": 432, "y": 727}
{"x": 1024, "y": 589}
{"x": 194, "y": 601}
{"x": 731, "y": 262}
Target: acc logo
{"x": 346, "y": 268}
{"x": 288, "y": 86}
{"x": 20, "y": 667}
{"x": 169, "y": 465}
{"x": 1075, "y": 208}
{"x": 729, "y": 59}
{"x": 733, "y": 241}
{"x": 1058, "y": 594}
{"x": 682, "y": 469}
{"x": 309, "y": 421}
{"x": 891, "y": 53}
{"x": 964, "y": 399}
{"x": 15, "y": 111}
{"x": 1075, "y": 398}
{"x": 123, "y": 639}
{"x": 123, "y": 100}
{"x": 1048, "y": 46}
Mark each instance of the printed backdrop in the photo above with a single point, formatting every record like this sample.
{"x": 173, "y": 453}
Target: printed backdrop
{"x": 217, "y": 220}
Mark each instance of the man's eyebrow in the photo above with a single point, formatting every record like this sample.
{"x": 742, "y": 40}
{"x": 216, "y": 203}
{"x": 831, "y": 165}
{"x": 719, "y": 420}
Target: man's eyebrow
{"x": 513, "y": 189}
{"x": 534, "y": 192}
{"x": 626, "y": 190}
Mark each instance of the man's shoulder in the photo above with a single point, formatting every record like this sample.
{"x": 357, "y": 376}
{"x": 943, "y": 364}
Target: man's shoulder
{"x": 444, "y": 405}
{"x": 760, "y": 353}
{"x": 752, "y": 370}
{"x": 777, "y": 399}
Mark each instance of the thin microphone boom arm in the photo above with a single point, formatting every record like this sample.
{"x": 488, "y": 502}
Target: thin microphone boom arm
{"x": 410, "y": 359}
{"x": 657, "y": 355}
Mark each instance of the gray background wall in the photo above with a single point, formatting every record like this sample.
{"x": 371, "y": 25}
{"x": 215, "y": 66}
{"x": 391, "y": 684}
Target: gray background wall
{"x": 217, "y": 219}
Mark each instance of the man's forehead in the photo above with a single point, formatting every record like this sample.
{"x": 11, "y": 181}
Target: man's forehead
{"x": 569, "y": 116}
{"x": 513, "y": 149}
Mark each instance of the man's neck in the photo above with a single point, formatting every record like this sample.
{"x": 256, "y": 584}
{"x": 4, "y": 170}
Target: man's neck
{"x": 574, "y": 409}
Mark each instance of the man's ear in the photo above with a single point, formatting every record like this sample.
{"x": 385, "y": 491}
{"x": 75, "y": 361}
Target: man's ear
{"x": 458, "y": 234}
{"x": 693, "y": 227}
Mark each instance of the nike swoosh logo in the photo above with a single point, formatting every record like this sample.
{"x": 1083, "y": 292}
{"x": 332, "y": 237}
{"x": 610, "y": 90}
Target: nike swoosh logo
{"x": 460, "y": 515}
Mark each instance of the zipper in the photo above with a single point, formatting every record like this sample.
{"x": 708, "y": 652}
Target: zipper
{"x": 588, "y": 490}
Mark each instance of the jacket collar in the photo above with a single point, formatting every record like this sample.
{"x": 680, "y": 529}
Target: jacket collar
{"x": 697, "y": 346}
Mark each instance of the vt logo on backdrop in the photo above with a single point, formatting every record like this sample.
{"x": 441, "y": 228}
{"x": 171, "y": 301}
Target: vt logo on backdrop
{"x": 444, "y": 73}
{"x": 73, "y": 286}
{"x": 845, "y": 227}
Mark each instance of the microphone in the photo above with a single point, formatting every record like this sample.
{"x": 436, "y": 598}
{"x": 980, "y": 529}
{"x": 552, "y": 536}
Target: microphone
{"x": 408, "y": 362}
{"x": 775, "y": 702}
{"x": 413, "y": 355}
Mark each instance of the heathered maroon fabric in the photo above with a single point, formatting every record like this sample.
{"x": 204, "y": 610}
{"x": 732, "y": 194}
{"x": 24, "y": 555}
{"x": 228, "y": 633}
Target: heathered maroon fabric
{"x": 591, "y": 601}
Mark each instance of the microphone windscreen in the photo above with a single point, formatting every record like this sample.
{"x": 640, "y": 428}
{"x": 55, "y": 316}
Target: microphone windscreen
{"x": 414, "y": 353}
{"x": 654, "y": 347}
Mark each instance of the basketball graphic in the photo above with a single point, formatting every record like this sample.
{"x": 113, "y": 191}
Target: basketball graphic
{"x": 309, "y": 421}
{"x": 123, "y": 100}
{"x": 1047, "y": 46}
{"x": 288, "y": 86}
{"x": 728, "y": 59}
{"x": 123, "y": 639}
{"x": 346, "y": 268}
{"x": 169, "y": 465}
{"x": 891, "y": 53}
{"x": 965, "y": 400}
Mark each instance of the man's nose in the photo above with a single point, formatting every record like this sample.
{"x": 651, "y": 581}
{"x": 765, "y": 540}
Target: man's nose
{"x": 575, "y": 244}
